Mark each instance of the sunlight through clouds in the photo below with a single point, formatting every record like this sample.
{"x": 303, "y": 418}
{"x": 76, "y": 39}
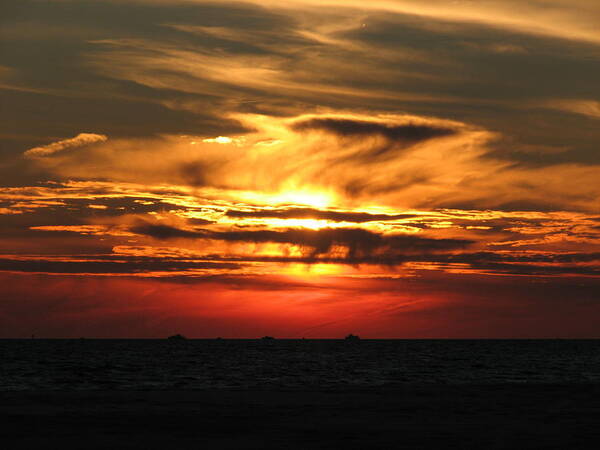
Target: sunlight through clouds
{"x": 392, "y": 163}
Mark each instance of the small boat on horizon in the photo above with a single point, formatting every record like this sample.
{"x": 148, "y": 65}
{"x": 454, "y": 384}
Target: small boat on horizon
{"x": 352, "y": 337}
{"x": 177, "y": 337}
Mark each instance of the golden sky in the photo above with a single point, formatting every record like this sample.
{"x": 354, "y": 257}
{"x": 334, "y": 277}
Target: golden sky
{"x": 392, "y": 168}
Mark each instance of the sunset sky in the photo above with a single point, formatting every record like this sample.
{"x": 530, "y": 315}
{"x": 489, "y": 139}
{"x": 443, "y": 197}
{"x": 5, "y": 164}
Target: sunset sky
{"x": 300, "y": 168}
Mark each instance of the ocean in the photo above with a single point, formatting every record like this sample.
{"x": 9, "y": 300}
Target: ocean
{"x": 145, "y": 364}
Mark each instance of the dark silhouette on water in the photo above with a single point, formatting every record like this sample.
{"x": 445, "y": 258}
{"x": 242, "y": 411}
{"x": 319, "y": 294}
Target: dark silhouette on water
{"x": 352, "y": 337}
{"x": 177, "y": 337}
{"x": 267, "y": 338}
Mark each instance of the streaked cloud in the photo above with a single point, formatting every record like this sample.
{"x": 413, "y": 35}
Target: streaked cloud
{"x": 560, "y": 18}
{"x": 81, "y": 140}
{"x": 589, "y": 108}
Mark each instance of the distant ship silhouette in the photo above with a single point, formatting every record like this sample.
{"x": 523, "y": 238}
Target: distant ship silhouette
{"x": 177, "y": 337}
{"x": 267, "y": 338}
{"x": 352, "y": 337}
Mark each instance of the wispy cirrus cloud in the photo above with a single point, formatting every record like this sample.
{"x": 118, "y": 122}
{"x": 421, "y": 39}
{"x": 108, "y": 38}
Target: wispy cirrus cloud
{"x": 558, "y": 18}
{"x": 81, "y": 140}
{"x": 588, "y": 108}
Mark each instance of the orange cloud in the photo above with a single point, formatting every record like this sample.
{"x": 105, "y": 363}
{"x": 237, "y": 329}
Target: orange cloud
{"x": 565, "y": 19}
{"x": 342, "y": 159}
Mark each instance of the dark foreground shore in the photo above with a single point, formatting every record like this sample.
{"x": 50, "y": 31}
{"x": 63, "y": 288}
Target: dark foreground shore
{"x": 407, "y": 417}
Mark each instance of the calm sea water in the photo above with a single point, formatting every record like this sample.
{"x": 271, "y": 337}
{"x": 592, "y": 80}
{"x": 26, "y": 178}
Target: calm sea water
{"x": 290, "y": 364}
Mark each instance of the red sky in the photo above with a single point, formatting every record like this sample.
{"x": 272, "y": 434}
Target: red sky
{"x": 300, "y": 169}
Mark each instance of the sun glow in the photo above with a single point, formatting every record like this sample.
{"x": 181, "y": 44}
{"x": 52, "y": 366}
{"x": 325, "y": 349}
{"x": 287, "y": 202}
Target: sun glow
{"x": 313, "y": 224}
{"x": 305, "y": 198}
{"x": 311, "y": 270}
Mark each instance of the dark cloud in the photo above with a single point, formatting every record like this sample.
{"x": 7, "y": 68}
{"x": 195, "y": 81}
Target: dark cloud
{"x": 198, "y": 221}
{"x": 524, "y": 204}
{"x": 393, "y": 137}
{"x": 534, "y": 260}
{"x": 158, "y": 231}
{"x": 486, "y": 262}
{"x": 537, "y": 270}
{"x": 130, "y": 266}
{"x": 74, "y": 211}
{"x": 489, "y": 262}
{"x": 201, "y": 173}
{"x": 358, "y": 241}
{"x": 309, "y": 213}
{"x": 409, "y": 133}
{"x": 194, "y": 173}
